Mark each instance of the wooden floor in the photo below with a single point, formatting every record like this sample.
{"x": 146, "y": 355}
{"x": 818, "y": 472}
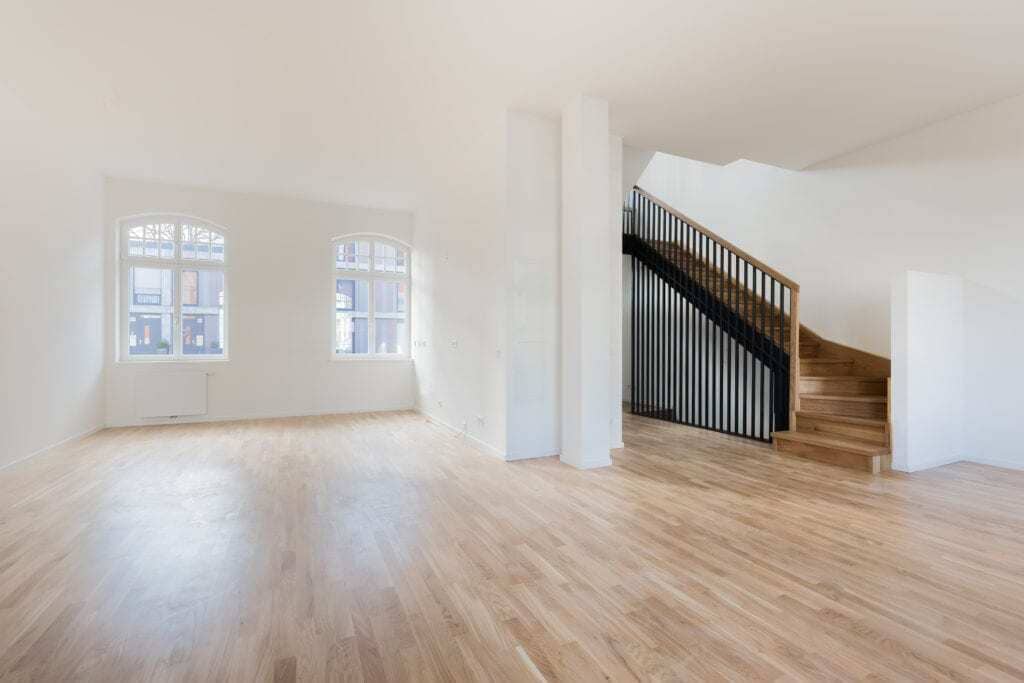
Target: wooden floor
{"x": 382, "y": 547}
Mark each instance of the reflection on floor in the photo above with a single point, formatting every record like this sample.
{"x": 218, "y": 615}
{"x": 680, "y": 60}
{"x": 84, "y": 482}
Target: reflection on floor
{"x": 382, "y": 547}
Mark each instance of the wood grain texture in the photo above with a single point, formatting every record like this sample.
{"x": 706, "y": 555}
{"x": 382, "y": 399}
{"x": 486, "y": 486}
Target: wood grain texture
{"x": 382, "y": 547}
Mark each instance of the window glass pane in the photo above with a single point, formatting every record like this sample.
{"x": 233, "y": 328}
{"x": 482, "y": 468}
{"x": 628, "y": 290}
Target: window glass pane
{"x": 217, "y": 246}
{"x": 202, "y": 312}
{"x": 352, "y": 306}
{"x": 167, "y": 238}
{"x": 353, "y": 255}
{"x": 188, "y": 241}
{"x": 150, "y": 311}
{"x": 388, "y": 258}
{"x": 136, "y": 235}
{"x": 352, "y": 295}
{"x": 351, "y": 333}
{"x": 390, "y": 305}
{"x": 152, "y": 240}
{"x": 389, "y": 297}
{"x": 390, "y": 335}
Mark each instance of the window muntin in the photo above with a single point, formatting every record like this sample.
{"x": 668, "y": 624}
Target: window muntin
{"x": 174, "y": 305}
{"x": 371, "y": 291}
{"x": 388, "y": 258}
{"x": 352, "y": 255}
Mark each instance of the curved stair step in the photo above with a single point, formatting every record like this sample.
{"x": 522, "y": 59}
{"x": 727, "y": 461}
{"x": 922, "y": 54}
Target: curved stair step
{"x": 844, "y": 404}
{"x": 869, "y": 430}
{"x": 842, "y": 385}
{"x": 826, "y": 367}
{"x": 834, "y": 450}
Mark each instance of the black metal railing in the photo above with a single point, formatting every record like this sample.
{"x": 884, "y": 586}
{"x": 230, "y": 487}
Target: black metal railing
{"x": 713, "y": 331}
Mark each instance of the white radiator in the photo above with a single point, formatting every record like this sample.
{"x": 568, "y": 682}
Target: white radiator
{"x": 170, "y": 394}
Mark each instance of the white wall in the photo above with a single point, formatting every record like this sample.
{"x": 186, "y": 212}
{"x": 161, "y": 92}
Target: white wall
{"x": 994, "y": 325}
{"x": 955, "y": 376}
{"x": 280, "y": 301}
{"x": 51, "y": 287}
{"x": 533, "y": 208}
{"x": 945, "y": 198}
{"x": 929, "y": 370}
{"x": 460, "y": 278}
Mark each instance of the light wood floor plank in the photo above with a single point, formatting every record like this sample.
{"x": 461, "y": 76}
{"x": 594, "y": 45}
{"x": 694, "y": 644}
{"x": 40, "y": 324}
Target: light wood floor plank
{"x": 383, "y": 547}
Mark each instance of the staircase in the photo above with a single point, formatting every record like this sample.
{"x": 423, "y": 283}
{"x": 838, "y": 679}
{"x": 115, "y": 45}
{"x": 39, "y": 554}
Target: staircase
{"x": 842, "y": 415}
{"x": 716, "y": 343}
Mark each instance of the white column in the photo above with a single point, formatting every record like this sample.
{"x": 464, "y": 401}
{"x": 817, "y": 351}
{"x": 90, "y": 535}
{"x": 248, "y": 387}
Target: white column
{"x": 615, "y": 262}
{"x": 586, "y": 284}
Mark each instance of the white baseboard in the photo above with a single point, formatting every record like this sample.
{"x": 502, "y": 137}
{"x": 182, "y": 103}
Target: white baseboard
{"x": 514, "y": 458}
{"x": 479, "y": 443}
{"x": 73, "y": 437}
{"x": 250, "y": 416}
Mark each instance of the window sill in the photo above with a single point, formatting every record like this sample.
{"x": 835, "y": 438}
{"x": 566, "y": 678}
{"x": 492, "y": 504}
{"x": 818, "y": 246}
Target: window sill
{"x": 171, "y": 361}
{"x": 371, "y": 359}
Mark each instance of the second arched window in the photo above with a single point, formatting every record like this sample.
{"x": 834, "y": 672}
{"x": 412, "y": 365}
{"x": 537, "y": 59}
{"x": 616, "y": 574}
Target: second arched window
{"x": 371, "y": 297}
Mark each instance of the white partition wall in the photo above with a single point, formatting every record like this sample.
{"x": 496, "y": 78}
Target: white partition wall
{"x": 928, "y": 370}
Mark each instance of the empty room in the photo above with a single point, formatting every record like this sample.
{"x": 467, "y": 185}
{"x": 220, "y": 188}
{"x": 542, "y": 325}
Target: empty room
{"x": 532, "y": 341}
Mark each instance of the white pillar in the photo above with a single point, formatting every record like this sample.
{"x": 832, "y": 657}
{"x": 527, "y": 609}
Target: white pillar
{"x": 586, "y": 285}
{"x": 615, "y": 274}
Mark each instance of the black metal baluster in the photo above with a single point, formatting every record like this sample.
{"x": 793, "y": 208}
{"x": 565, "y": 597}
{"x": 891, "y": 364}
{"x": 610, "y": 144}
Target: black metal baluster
{"x": 704, "y": 327}
{"x": 646, "y": 296}
{"x": 688, "y": 351}
{"x": 746, "y": 351}
{"x": 764, "y": 356}
{"x": 720, "y": 346}
{"x": 772, "y": 377}
{"x": 661, "y": 320}
{"x": 673, "y": 319}
{"x": 784, "y": 376}
{"x": 715, "y": 387}
{"x": 755, "y": 399}
{"x": 730, "y": 416}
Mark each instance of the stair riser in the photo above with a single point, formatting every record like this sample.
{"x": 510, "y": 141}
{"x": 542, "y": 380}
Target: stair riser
{"x": 860, "y": 433}
{"x": 809, "y": 351}
{"x": 815, "y": 369}
{"x": 843, "y": 385}
{"x": 875, "y": 411}
{"x": 833, "y": 456}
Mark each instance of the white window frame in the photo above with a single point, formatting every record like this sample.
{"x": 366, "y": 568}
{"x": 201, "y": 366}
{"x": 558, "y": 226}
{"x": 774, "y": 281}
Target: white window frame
{"x": 371, "y": 276}
{"x": 176, "y": 265}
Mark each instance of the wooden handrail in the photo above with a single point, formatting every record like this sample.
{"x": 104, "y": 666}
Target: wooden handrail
{"x": 720, "y": 240}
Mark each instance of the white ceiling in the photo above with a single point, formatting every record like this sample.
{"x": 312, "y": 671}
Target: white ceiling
{"x": 310, "y": 96}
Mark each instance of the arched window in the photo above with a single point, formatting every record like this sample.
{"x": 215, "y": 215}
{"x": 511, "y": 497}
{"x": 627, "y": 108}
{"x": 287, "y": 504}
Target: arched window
{"x": 371, "y": 297}
{"x": 173, "y": 289}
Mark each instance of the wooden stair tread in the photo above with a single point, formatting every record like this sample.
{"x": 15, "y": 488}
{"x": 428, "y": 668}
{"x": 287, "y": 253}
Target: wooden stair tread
{"x": 830, "y": 361}
{"x": 832, "y": 441}
{"x": 844, "y": 378}
{"x": 845, "y": 419}
{"x": 844, "y": 397}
